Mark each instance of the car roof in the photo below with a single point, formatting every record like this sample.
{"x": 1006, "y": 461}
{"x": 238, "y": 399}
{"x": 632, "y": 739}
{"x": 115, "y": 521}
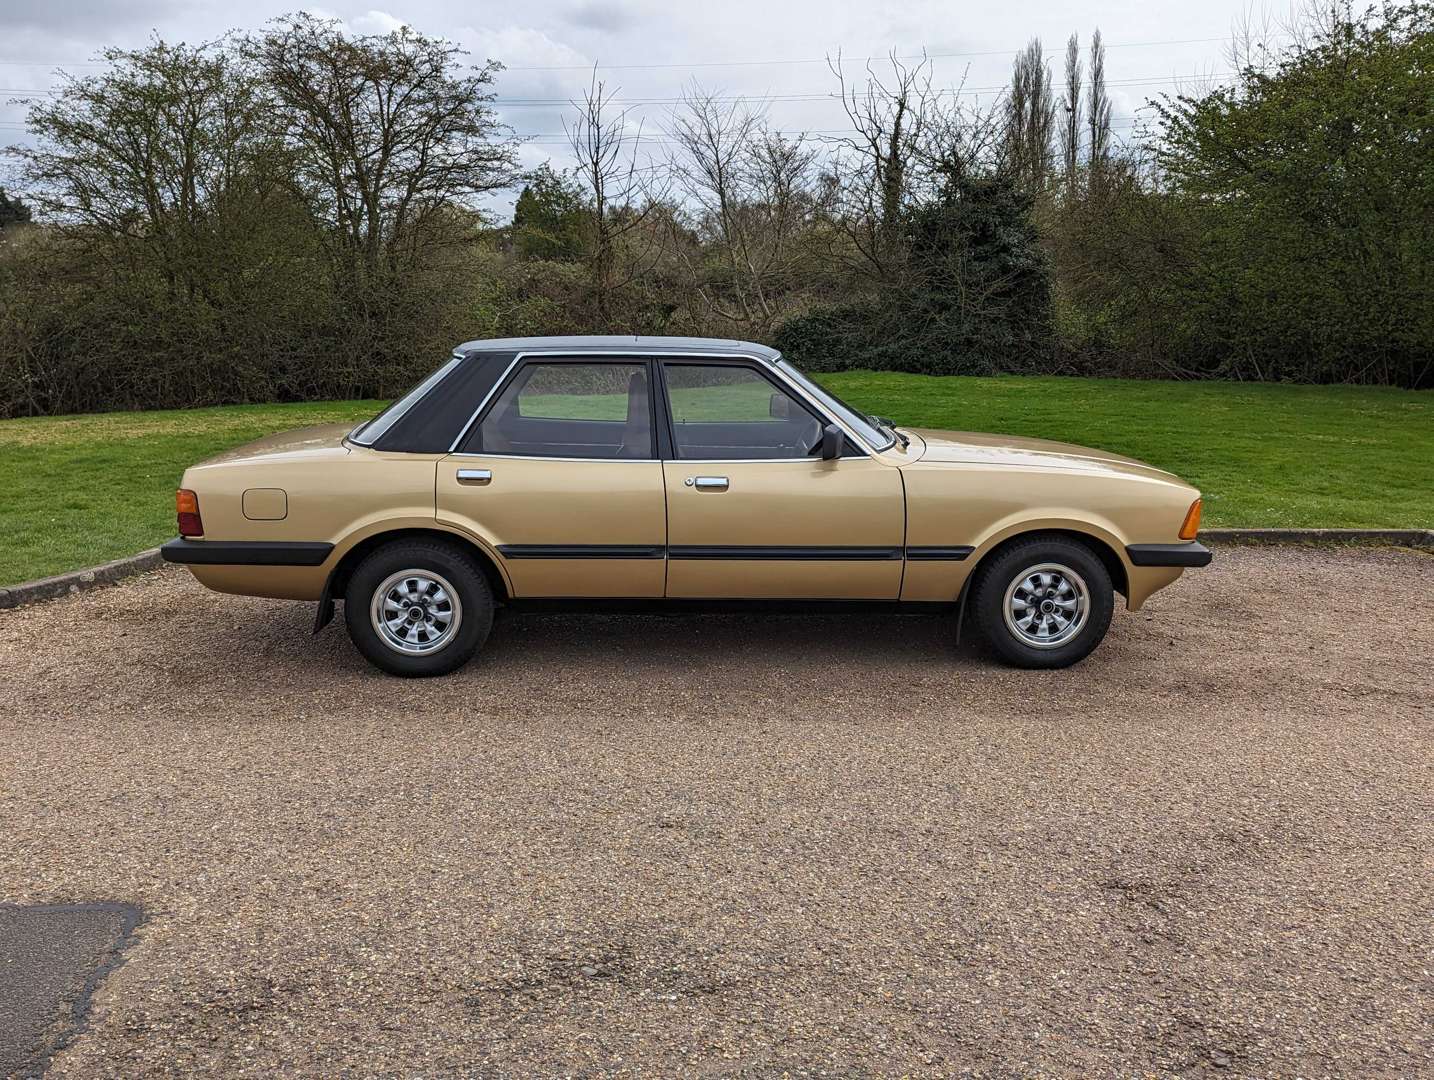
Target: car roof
{"x": 626, "y": 343}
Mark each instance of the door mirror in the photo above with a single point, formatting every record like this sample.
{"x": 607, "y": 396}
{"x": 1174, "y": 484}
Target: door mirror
{"x": 778, "y": 407}
{"x": 832, "y": 439}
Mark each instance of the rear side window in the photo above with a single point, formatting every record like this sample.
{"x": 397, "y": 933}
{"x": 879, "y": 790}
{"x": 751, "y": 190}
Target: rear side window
{"x": 573, "y": 410}
{"x": 374, "y": 430}
{"x": 728, "y": 412}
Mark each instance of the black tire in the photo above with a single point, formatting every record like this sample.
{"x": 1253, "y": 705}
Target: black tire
{"x": 450, "y": 565}
{"x": 1005, "y": 570}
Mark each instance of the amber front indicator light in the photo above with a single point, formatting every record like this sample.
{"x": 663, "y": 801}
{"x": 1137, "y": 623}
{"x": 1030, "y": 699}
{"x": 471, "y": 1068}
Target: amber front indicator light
{"x": 1191, "y": 528}
{"x": 187, "y": 504}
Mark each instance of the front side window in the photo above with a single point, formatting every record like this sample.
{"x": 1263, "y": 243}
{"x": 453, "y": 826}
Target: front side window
{"x": 728, "y": 411}
{"x": 875, "y": 432}
{"x": 573, "y": 410}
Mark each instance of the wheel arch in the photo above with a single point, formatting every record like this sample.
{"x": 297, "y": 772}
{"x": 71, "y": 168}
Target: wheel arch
{"x": 344, "y": 568}
{"x": 1099, "y": 546}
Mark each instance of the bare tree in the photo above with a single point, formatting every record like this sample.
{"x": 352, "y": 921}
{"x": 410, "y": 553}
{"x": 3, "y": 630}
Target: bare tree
{"x": 1098, "y": 111}
{"x": 1248, "y": 47}
{"x": 1071, "y": 103}
{"x": 750, "y": 194}
{"x": 1030, "y": 119}
{"x": 878, "y": 164}
{"x": 620, "y": 191}
{"x": 959, "y": 140}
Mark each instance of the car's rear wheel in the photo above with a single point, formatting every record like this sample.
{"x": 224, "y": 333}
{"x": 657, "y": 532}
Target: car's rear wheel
{"x": 1043, "y": 601}
{"x": 418, "y": 607}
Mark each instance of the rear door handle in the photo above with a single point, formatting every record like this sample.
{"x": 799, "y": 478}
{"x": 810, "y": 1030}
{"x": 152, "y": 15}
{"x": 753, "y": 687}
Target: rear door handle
{"x": 708, "y": 483}
{"x": 474, "y": 477}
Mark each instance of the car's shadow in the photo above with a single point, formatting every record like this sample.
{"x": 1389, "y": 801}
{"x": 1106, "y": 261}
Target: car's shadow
{"x": 768, "y": 638}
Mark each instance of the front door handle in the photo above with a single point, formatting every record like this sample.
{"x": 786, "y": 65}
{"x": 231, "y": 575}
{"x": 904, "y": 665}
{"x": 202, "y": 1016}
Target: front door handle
{"x": 474, "y": 477}
{"x": 708, "y": 483}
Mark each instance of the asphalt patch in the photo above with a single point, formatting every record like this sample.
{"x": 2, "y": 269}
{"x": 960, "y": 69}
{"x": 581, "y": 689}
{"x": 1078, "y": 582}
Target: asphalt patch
{"x": 52, "y": 959}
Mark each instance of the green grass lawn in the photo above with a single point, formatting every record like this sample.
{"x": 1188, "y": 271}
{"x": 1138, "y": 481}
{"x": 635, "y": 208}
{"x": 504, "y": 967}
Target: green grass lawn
{"x": 1262, "y": 454}
{"x": 79, "y": 490}
{"x": 76, "y": 491}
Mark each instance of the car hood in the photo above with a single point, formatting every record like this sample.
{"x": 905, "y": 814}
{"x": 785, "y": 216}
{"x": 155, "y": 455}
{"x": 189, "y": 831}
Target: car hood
{"x": 320, "y": 440}
{"x": 977, "y": 448}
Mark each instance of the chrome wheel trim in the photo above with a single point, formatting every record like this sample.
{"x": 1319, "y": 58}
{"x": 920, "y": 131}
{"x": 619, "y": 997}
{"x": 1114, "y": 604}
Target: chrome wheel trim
{"x": 1046, "y": 605}
{"x": 416, "y": 612}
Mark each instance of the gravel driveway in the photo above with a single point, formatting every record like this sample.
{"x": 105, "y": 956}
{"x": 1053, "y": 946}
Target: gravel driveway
{"x": 726, "y": 845}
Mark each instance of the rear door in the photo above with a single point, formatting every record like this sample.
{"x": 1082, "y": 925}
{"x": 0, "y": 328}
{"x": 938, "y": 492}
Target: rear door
{"x": 752, "y": 509}
{"x": 560, "y": 472}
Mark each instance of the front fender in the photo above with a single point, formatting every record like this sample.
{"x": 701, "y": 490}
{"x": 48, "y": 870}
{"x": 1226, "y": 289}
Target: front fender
{"x": 982, "y": 508}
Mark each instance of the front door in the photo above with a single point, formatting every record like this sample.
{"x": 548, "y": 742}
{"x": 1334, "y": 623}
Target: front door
{"x": 561, "y": 475}
{"x": 753, "y": 512}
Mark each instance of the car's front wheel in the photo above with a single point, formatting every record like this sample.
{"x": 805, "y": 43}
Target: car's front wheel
{"x": 1043, "y": 601}
{"x": 418, "y": 607}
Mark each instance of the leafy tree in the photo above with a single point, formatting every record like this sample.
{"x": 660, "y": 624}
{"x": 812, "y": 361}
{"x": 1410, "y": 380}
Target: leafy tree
{"x": 221, "y": 233}
{"x": 976, "y": 297}
{"x": 160, "y": 151}
{"x": 1312, "y": 182}
{"x": 12, "y": 210}
{"x": 548, "y": 218}
{"x": 387, "y": 134}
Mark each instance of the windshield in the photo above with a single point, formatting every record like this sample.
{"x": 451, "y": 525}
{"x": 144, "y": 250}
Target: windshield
{"x": 369, "y": 433}
{"x": 877, "y": 435}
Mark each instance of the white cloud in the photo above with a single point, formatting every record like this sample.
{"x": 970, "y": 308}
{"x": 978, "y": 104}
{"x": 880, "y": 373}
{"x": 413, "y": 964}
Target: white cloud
{"x": 520, "y": 46}
{"x": 377, "y": 22}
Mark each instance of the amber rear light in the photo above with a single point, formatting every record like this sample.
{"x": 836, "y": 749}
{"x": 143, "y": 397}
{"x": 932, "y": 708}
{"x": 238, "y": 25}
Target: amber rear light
{"x": 186, "y": 503}
{"x": 1191, "y": 528}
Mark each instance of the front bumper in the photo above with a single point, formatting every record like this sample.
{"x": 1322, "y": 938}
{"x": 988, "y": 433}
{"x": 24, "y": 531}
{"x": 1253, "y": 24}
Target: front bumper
{"x": 1191, "y": 553}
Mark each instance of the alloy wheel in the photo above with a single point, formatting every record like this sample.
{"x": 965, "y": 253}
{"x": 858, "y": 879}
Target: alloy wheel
{"x": 416, "y": 612}
{"x": 1046, "y": 605}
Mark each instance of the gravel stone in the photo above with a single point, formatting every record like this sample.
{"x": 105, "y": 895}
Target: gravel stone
{"x": 818, "y": 846}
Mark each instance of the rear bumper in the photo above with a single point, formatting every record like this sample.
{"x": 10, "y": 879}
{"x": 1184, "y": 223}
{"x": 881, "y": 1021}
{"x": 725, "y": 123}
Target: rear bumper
{"x": 1188, "y": 554}
{"x": 246, "y": 552}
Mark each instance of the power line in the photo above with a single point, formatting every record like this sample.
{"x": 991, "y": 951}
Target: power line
{"x": 559, "y": 138}
{"x": 556, "y": 138}
{"x": 790, "y": 132}
{"x": 717, "y": 63}
{"x": 845, "y": 59}
{"x": 831, "y": 96}
{"x": 524, "y": 103}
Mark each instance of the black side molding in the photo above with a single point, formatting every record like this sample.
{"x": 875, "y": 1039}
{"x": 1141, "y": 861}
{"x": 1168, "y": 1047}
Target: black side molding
{"x": 942, "y": 554}
{"x": 740, "y": 552}
{"x": 580, "y": 551}
{"x": 746, "y": 552}
{"x": 1188, "y": 554}
{"x": 246, "y": 552}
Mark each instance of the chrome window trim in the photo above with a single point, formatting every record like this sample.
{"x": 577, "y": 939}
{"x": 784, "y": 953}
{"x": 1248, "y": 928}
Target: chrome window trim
{"x": 617, "y": 353}
{"x": 636, "y": 461}
{"x": 546, "y": 457}
{"x": 818, "y": 411}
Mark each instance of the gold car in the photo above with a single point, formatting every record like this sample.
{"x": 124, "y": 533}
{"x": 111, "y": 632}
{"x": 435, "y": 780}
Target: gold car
{"x": 678, "y": 471}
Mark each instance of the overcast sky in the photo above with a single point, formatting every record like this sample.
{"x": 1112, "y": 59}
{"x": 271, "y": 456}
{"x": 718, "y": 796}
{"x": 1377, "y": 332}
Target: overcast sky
{"x": 654, "y": 48}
